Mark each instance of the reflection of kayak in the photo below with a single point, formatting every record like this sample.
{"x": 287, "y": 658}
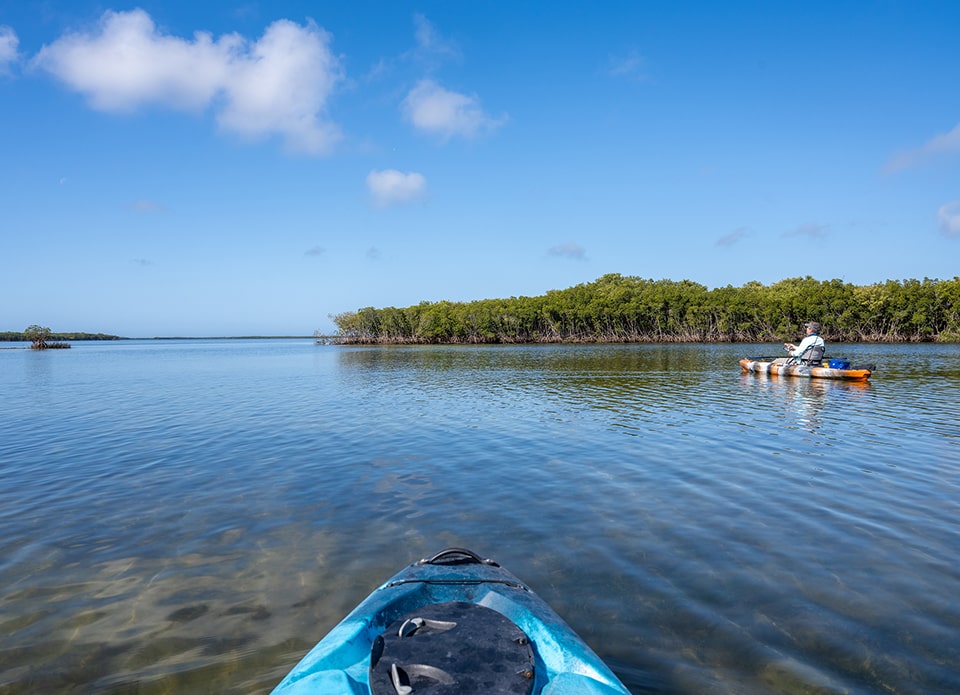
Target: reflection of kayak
{"x": 765, "y": 365}
{"x": 453, "y": 623}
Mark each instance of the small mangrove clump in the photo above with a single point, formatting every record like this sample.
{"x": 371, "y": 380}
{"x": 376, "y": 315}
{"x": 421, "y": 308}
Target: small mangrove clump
{"x": 38, "y": 337}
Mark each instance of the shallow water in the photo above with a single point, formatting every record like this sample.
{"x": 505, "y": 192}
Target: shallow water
{"x": 191, "y": 516}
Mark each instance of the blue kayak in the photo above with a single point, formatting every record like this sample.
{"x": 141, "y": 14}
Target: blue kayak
{"x": 452, "y": 623}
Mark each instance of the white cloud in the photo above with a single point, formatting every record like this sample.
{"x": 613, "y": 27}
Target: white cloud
{"x": 433, "y": 109}
{"x": 283, "y": 86}
{"x": 8, "y": 48}
{"x": 569, "y": 250}
{"x": 277, "y": 85}
{"x": 943, "y": 144}
{"x": 949, "y": 218}
{"x": 128, "y": 63}
{"x": 390, "y": 187}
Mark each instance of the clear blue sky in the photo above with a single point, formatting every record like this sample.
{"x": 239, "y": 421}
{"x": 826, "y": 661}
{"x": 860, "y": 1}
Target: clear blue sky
{"x": 232, "y": 168}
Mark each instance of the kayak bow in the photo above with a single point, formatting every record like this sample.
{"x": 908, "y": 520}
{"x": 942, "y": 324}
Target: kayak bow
{"x": 452, "y": 623}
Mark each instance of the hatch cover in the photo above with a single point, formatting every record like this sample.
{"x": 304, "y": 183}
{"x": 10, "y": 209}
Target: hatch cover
{"x": 452, "y": 648}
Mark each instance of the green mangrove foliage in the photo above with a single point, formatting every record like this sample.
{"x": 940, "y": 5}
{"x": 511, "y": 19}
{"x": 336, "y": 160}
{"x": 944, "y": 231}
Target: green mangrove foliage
{"x": 39, "y": 337}
{"x": 619, "y": 309}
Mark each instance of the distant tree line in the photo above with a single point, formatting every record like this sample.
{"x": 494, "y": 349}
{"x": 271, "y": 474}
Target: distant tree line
{"x": 14, "y": 336}
{"x": 618, "y": 309}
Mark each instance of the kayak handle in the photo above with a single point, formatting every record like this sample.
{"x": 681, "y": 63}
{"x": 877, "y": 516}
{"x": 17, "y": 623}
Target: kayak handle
{"x": 450, "y": 556}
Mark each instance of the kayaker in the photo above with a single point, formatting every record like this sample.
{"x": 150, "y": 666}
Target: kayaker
{"x": 812, "y": 339}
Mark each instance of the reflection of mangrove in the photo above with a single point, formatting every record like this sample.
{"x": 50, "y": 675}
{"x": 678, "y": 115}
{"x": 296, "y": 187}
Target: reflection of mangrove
{"x": 617, "y": 309}
{"x": 616, "y": 379}
{"x": 553, "y": 360}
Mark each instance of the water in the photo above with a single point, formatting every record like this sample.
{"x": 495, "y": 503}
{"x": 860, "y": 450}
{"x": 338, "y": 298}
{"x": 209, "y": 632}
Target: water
{"x": 190, "y": 517}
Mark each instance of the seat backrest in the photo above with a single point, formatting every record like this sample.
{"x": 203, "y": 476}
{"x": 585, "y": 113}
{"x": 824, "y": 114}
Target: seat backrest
{"x": 813, "y": 355}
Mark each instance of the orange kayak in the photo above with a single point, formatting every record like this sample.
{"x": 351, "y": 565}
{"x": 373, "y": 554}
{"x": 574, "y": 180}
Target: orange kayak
{"x": 778, "y": 366}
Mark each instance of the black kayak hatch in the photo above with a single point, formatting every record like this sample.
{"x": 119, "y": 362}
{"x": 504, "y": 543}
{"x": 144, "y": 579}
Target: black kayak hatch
{"x": 450, "y": 648}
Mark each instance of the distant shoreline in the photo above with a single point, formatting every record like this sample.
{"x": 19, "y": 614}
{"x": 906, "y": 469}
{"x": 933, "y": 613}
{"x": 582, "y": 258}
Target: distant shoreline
{"x": 73, "y": 338}
{"x": 230, "y": 337}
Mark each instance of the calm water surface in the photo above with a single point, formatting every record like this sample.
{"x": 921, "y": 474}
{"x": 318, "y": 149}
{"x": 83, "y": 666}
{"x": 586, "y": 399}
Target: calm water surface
{"x": 191, "y": 517}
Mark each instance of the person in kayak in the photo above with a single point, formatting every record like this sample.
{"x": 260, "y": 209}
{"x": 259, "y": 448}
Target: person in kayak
{"x": 811, "y": 348}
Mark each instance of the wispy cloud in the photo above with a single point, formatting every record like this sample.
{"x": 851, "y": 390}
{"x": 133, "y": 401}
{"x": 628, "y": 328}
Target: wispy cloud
{"x": 733, "y": 237}
{"x": 630, "y": 66}
{"x": 277, "y": 85}
{"x": 392, "y": 187}
{"x": 431, "y": 45}
{"x": 949, "y": 218}
{"x": 569, "y": 250}
{"x": 941, "y": 145}
{"x": 315, "y": 251}
{"x": 143, "y": 262}
{"x": 441, "y": 112}
{"x": 373, "y": 253}
{"x": 810, "y": 230}
{"x": 8, "y": 48}
{"x": 146, "y": 206}
{"x": 430, "y": 52}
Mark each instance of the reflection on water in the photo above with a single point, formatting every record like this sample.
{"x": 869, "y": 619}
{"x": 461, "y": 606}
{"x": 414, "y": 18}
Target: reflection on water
{"x": 805, "y": 402}
{"x": 192, "y": 517}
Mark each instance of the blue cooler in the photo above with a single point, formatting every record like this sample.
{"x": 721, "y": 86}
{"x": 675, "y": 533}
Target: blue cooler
{"x": 839, "y": 364}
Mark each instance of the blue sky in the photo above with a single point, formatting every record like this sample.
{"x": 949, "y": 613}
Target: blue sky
{"x": 236, "y": 168}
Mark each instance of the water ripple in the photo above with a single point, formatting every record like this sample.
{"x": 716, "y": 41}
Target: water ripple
{"x": 193, "y": 516}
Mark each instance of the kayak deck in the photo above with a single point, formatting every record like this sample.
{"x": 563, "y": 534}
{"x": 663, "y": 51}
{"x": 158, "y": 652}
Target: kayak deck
{"x": 779, "y": 367}
{"x": 516, "y": 633}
